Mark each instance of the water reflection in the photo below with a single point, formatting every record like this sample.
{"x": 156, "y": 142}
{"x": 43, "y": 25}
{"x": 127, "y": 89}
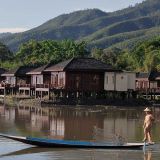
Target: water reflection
{"x": 32, "y": 150}
{"x": 75, "y": 123}
{"x": 148, "y": 155}
{"x": 86, "y": 154}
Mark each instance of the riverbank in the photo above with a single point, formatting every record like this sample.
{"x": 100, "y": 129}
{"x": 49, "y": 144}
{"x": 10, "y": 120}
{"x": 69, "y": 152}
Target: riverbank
{"x": 92, "y": 102}
{"x": 30, "y": 101}
{"x": 20, "y": 101}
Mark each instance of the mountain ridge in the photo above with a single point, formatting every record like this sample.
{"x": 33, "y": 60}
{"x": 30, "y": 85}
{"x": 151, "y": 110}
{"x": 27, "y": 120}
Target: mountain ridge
{"x": 94, "y": 25}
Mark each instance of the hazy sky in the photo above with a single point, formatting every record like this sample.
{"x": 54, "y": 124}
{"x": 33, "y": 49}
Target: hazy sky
{"x": 19, "y": 15}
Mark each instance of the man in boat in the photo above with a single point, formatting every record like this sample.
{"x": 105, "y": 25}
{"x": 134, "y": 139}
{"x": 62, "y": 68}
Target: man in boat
{"x": 148, "y": 121}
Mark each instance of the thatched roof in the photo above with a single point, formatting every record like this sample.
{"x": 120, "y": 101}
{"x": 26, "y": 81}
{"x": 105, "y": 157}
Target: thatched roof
{"x": 154, "y": 75}
{"x": 20, "y": 71}
{"x": 39, "y": 70}
{"x": 142, "y": 75}
{"x": 80, "y": 64}
{"x": 2, "y": 70}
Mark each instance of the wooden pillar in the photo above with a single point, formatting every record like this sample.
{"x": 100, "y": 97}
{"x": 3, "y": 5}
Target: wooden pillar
{"x": 12, "y": 91}
{"x": 77, "y": 94}
{"x": 41, "y": 94}
{"x": 154, "y": 94}
{"x": 35, "y": 94}
{"x": 61, "y": 94}
{"x": 4, "y": 95}
{"x": 30, "y": 92}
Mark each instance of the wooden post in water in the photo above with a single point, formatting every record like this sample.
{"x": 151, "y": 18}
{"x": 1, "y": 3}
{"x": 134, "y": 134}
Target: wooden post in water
{"x": 4, "y": 94}
{"x": 48, "y": 94}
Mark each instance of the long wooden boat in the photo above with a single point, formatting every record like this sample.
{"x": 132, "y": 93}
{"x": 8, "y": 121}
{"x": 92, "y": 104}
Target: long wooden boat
{"x": 43, "y": 142}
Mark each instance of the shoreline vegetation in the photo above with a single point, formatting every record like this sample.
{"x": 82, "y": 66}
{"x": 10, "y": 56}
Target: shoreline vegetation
{"x": 30, "y": 101}
{"x": 144, "y": 57}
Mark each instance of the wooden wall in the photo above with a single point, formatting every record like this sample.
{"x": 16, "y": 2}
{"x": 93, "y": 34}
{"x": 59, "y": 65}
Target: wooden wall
{"x": 24, "y": 80}
{"x": 84, "y": 81}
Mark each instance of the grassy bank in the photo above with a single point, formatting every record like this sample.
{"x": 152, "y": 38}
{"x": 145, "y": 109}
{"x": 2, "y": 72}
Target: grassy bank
{"x": 20, "y": 101}
{"x": 32, "y": 102}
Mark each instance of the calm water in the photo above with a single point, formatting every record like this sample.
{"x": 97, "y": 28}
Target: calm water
{"x": 75, "y": 123}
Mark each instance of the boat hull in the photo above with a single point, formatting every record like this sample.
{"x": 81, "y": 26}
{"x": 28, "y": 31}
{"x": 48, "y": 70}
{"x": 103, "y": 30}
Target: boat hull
{"x": 43, "y": 142}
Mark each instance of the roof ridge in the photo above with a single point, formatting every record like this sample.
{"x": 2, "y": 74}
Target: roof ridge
{"x": 69, "y": 62}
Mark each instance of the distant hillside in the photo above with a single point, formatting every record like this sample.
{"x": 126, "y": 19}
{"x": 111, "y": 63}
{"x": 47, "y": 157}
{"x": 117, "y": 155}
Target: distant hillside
{"x": 2, "y": 35}
{"x": 122, "y": 28}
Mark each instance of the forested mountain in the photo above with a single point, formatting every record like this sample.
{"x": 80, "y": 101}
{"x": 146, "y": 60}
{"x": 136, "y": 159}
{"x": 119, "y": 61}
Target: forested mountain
{"x": 122, "y": 28}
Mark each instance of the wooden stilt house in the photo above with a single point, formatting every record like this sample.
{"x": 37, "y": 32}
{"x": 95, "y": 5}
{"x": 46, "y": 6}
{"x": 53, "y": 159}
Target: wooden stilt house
{"x": 16, "y": 80}
{"x": 39, "y": 78}
{"x": 40, "y": 81}
{"x": 18, "y": 76}
{"x": 79, "y": 74}
{"x": 142, "y": 81}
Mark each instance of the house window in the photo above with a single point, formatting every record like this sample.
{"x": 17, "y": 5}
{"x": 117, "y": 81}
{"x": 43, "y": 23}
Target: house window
{"x": 33, "y": 79}
{"x": 11, "y": 80}
{"x": 39, "y": 79}
{"x": 61, "y": 79}
{"x": 54, "y": 80}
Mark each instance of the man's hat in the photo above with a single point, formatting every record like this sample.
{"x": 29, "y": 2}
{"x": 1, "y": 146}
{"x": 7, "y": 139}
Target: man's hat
{"x": 147, "y": 110}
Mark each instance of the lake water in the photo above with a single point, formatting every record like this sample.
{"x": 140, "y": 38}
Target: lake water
{"x": 76, "y": 123}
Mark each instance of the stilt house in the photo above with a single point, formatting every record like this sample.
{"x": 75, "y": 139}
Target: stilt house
{"x": 79, "y": 74}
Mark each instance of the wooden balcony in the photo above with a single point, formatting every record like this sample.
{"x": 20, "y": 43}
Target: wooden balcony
{"x": 42, "y": 86}
{"x": 148, "y": 90}
{"x": 6, "y": 85}
{"x": 24, "y": 85}
{"x": 30, "y": 86}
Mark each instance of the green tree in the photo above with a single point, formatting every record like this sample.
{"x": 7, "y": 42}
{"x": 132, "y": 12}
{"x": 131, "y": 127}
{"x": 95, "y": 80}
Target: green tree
{"x": 124, "y": 61}
{"x": 97, "y": 53}
{"x": 146, "y": 55}
{"x": 42, "y": 52}
{"x": 5, "y": 53}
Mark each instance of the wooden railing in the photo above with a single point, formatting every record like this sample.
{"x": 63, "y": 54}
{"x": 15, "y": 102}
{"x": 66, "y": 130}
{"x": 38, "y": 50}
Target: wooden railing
{"x": 7, "y": 85}
{"x": 153, "y": 90}
{"x": 51, "y": 86}
{"x": 42, "y": 85}
{"x": 24, "y": 85}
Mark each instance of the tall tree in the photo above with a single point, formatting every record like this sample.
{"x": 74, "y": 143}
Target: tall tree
{"x": 41, "y": 52}
{"x": 5, "y": 53}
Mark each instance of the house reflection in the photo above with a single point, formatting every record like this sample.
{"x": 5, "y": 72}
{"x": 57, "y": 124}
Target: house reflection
{"x": 39, "y": 122}
{"x": 81, "y": 127}
{"x": 119, "y": 126}
{"x": 10, "y": 114}
{"x": 57, "y": 128}
{"x": 73, "y": 123}
{"x": 2, "y": 110}
{"x": 59, "y": 123}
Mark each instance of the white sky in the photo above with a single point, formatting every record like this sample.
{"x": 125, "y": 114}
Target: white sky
{"x": 20, "y": 15}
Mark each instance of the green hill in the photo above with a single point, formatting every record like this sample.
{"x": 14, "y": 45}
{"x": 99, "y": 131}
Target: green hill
{"x": 121, "y": 28}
